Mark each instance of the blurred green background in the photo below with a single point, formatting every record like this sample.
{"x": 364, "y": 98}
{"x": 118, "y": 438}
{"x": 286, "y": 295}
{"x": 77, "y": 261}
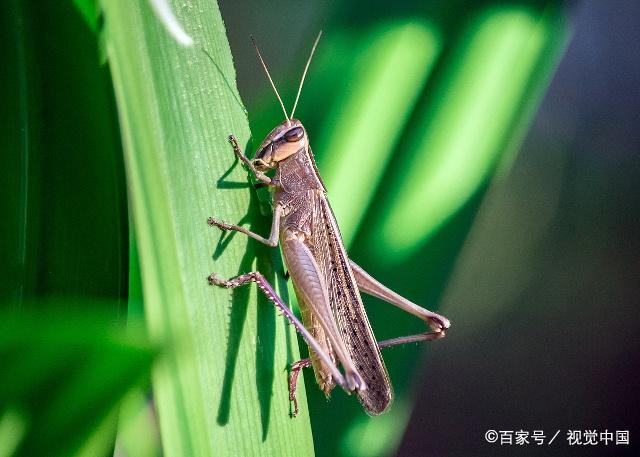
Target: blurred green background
{"x": 481, "y": 158}
{"x": 66, "y": 359}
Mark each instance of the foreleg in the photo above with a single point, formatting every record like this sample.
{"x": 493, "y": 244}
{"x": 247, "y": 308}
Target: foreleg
{"x": 244, "y": 159}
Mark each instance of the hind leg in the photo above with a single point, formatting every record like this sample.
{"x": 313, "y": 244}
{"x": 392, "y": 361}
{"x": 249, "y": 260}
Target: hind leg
{"x": 297, "y": 367}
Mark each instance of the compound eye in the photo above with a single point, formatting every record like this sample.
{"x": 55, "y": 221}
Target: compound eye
{"x": 295, "y": 134}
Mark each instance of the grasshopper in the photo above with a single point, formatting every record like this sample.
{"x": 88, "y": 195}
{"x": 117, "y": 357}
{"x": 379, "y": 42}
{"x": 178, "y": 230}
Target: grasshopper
{"x": 326, "y": 282}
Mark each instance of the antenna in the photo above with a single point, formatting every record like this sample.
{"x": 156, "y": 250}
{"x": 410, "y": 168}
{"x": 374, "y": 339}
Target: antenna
{"x": 313, "y": 49}
{"x": 270, "y": 80}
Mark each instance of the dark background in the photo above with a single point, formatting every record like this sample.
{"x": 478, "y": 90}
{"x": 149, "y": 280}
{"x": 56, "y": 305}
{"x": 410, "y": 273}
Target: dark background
{"x": 552, "y": 269}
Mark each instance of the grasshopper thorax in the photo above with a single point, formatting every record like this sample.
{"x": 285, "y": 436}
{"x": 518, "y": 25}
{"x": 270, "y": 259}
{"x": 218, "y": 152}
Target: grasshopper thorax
{"x": 283, "y": 141}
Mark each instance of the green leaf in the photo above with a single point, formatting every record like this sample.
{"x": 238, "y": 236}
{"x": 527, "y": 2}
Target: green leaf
{"x": 64, "y": 202}
{"x": 223, "y": 390}
{"x": 397, "y": 55}
{"x": 474, "y": 116}
{"x": 89, "y": 11}
{"x": 67, "y": 375}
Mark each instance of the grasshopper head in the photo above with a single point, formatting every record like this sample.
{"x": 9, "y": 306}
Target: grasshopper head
{"x": 282, "y": 142}
{"x": 289, "y": 137}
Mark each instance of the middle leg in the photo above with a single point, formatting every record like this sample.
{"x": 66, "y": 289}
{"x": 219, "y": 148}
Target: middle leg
{"x": 273, "y": 236}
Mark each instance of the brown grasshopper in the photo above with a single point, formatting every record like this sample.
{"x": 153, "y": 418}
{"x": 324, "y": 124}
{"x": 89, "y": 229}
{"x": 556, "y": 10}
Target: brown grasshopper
{"x": 326, "y": 282}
